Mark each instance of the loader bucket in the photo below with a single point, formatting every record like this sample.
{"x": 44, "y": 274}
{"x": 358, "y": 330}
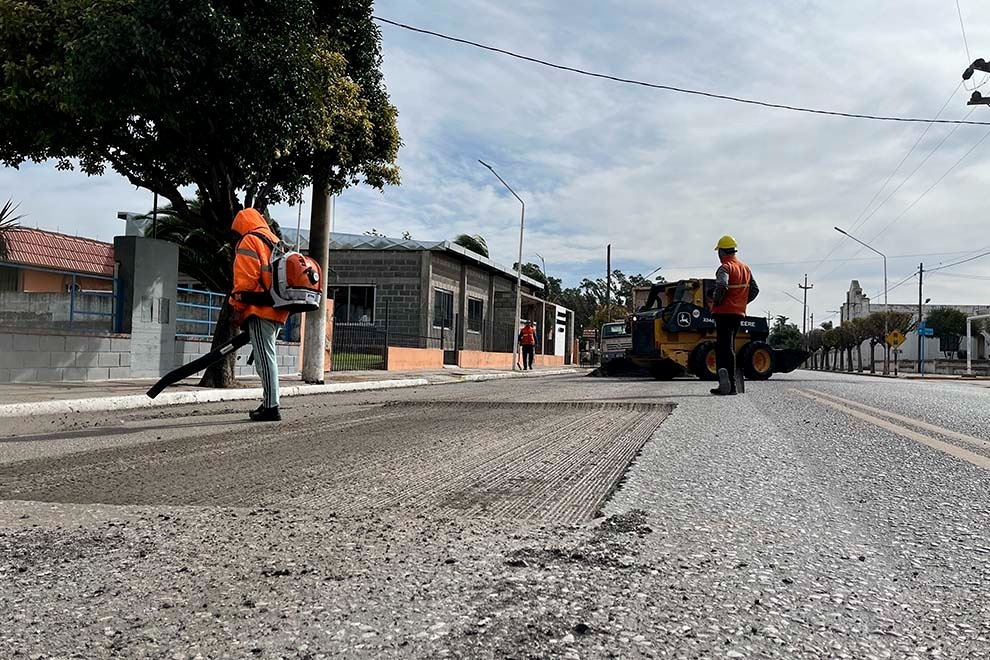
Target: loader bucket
{"x": 786, "y": 360}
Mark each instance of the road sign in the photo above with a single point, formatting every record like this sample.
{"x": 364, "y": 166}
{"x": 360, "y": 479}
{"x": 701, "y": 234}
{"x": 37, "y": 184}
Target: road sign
{"x": 589, "y": 333}
{"x": 926, "y": 332}
{"x": 895, "y": 338}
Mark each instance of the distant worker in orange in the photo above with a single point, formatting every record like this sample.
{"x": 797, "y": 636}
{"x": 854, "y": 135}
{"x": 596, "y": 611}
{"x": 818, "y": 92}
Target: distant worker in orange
{"x": 734, "y": 289}
{"x": 252, "y": 303}
{"x": 527, "y": 339}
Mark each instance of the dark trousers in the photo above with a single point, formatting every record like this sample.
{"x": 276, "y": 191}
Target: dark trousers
{"x": 529, "y": 354}
{"x": 726, "y": 325}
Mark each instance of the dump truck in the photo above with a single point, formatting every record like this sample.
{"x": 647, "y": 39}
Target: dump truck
{"x": 616, "y": 341}
{"x": 673, "y": 333}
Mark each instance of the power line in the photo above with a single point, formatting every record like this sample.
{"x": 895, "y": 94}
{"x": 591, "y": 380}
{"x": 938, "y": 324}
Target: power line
{"x": 913, "y": 172}
{"x": 965, "y": 276}
{"x": 671, "y": 88}
{"x": 932, "y": 187}
{"x": 962, "y": 26}
{"x": 935, "y": 270}
{"x": 859, "y": 218}
{"x": 915, "y": 202}
{"x": 958, "y": 263}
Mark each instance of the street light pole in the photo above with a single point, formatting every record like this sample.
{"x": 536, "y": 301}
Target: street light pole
{"x": 522, "y": 224}
{"x": 886, "y": 314}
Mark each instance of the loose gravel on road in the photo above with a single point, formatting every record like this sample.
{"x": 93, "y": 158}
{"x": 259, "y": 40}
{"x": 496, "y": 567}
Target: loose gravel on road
{"x": 446, "y": 522}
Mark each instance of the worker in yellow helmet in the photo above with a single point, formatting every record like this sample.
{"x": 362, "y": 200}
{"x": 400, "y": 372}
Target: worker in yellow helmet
{"x": 734, "y": 289}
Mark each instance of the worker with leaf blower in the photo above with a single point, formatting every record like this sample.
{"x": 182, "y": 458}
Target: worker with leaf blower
{"x": 253, "y": 305}
{"x": 271, "y": 281}
{"x": 734, "y": 289}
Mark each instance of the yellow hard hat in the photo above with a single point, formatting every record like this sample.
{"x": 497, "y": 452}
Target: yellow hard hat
{"x": 726, "y": 243}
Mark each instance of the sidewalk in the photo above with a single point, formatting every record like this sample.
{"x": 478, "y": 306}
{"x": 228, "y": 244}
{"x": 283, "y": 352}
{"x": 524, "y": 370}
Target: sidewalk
{"x": 20, "y": 399}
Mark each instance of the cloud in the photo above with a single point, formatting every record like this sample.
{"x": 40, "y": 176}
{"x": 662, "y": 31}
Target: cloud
{"x": 660, "y": 175}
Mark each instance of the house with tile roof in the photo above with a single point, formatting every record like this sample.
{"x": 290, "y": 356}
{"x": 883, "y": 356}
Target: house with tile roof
{"x": 40, "y": 261}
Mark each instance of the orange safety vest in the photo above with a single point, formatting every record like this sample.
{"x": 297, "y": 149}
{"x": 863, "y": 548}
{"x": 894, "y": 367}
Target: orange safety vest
{"x": 737, "y": 296}
{"x": 252, "y": 272}
{"x": 527, "y": 336}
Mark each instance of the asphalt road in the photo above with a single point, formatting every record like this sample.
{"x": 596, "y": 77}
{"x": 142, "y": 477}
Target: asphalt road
{"x": 816, "y": 516}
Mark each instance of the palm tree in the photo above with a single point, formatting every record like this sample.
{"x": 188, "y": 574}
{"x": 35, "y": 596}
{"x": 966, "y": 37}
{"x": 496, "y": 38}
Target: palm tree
{"x": 8, "y": 222}
{"x": 474, "y": 243}
{"x": 203, "y": 253}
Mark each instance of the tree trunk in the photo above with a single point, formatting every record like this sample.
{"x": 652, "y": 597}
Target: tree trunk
{"x": 873, "y": 356}
{"x": 221, "y": 374}
{"x": 849, "y": 364}
{"x": 219, "y": 208}
{"x": 859, "y": 356}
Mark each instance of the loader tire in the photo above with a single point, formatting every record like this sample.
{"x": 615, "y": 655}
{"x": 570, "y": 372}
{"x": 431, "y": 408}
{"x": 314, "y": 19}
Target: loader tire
{"x": 702, "y": 361}
{"x": 756, "y": 360}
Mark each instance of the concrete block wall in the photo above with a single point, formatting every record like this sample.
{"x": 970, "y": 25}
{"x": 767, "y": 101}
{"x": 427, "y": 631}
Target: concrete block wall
{"x": 187, "y": 350}
{"x": 52, "y": 311}
{"x": 397, "y": 278}
{"x": 30, "y": 357}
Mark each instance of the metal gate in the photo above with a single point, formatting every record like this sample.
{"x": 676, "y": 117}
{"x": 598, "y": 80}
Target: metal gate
{"x": 358, "y": 347}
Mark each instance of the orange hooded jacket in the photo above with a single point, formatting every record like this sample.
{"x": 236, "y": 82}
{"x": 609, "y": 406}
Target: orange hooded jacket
{"x": 252, "y": 274}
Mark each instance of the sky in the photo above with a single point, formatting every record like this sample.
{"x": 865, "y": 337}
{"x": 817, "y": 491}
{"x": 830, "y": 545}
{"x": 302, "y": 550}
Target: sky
{"x": 658, "y": 175}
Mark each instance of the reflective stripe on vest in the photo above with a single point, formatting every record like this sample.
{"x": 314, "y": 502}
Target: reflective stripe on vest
{"x": 737, "y": 296}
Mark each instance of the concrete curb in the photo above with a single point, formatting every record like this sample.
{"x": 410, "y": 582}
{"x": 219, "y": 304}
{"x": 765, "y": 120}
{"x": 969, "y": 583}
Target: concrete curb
{"x": 480, "y": 378}
{"x": 140, "y": 401}
{"x": 134, "y": 402}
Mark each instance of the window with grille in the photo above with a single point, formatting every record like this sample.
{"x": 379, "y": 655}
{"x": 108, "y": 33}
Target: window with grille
{"x": 476, "y": 314}
{"x": 443, "y": 309}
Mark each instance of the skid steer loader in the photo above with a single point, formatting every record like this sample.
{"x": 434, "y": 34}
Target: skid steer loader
{"x": 673, "y": 334}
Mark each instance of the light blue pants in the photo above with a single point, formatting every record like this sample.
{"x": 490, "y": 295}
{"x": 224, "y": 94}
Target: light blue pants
{"x": 263, "y": 333}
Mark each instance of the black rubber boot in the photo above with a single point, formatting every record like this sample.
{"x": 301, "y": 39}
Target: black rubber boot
{"x": 266, "y": 415}
{"x": 740, "y": 381}
{"x": 724, "y": 386}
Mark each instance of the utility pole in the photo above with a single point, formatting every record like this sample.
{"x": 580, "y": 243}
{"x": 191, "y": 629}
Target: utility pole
{"x": 921, "y": 318}
{"x": 314, "y": 343}
{"x": 608, "y": 282}
{"x": 804, "y": 317}
{"x": 812, "y": 320}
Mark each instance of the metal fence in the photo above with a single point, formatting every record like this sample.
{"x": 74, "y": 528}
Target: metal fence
{"x": 199, "y": 310}
{"x": 359, "y": 347}
{"x": 75, "y": 309}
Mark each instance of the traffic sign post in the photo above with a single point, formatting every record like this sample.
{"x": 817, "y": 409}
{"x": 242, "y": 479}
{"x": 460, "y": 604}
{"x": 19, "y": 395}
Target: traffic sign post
{"x": 923, "y": 331}
{"x": 895, "y": 338}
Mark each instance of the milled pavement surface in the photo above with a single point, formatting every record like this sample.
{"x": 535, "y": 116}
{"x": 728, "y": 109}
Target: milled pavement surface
{"x": 817, "y": 516}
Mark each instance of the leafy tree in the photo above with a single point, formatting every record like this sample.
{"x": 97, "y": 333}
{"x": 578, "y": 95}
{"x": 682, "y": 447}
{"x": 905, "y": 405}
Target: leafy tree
{"x": 247, "y": 102}
{"x": 784, "y": 334}
{"x": 878, "y": 324}
{"x": 8, "y": 222}
{"x": 551, "y": 285}
{"x": 476, "y": 243}
{"x": 949, "y": 325}
{"x": 860, "y": 332}
{"x": 815, "y": 344}
{"x": 830, "y": 341}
